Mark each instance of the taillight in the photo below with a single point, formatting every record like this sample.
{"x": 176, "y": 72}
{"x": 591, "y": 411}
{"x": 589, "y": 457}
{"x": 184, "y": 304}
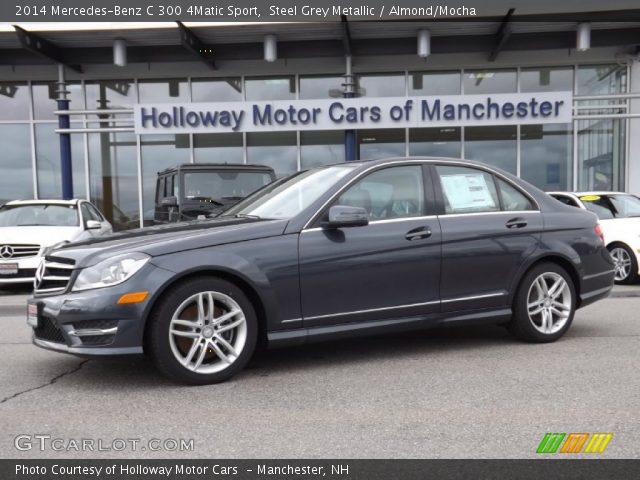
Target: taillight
{"x": 599, "y": 232}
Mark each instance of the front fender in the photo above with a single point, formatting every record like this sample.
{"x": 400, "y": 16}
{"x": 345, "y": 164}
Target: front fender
{"x": 268, "y": 266}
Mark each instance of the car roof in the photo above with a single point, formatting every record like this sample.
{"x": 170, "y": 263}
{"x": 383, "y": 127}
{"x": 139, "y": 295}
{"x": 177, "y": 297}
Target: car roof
{"x": 216, "y": 166}
{"x": 450, "y": 160}
{"x": 43, "y": 201}
{"x": 584, "y": 194}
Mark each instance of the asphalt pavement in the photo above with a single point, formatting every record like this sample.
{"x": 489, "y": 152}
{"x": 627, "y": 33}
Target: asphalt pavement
{"x": 449, "y": 393}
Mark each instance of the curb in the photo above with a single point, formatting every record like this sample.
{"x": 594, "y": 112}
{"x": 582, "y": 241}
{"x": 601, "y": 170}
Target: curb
{"x": 624, "y": 294}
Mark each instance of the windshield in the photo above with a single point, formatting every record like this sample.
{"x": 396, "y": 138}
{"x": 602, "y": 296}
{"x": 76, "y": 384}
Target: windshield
{"x": 612, "y": 206}
{"x": 223, "y": 185}
{"x": 39, "y": 215}
{"x": 289, "y": 196}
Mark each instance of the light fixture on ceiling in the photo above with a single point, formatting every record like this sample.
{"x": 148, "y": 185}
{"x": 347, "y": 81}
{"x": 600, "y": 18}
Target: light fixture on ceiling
{"x": 270, "y": 48}
{"x": 424, "y": 43}
{"x": 120, "y": 52}
{"x": 583, "y": 37}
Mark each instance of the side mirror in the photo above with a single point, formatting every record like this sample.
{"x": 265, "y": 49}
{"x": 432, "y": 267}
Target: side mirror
{"x": 169, "y": 202}
{"x": 341, "y": 216}
{"x": 93, "y": 225}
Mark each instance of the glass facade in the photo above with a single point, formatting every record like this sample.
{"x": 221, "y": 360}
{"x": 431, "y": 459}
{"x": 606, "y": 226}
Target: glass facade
{"x": 117, "y": 170}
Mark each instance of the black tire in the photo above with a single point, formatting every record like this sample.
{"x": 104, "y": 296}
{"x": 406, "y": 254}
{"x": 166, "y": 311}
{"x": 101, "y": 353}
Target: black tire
{"x": 159, "y": 345}
{"x": 632, "y": 277}
{"x": 521, "y": 325}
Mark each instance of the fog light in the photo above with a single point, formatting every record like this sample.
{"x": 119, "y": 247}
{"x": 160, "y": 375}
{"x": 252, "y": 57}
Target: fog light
{"x": 134, "y": 297}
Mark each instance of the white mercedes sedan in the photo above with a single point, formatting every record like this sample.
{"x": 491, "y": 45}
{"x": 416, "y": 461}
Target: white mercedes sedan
{"x": 619, "y": 215}
{"x": 29, "y": 227}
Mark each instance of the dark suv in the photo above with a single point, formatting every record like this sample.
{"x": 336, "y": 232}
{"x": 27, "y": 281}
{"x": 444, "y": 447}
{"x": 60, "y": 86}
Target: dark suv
{"x": 343, "y": 250}
{"x": 194, "y": 190}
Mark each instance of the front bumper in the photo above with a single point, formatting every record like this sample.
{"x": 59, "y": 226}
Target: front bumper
{"x": 26, "y": 270}
{"x": 91, "y": 323}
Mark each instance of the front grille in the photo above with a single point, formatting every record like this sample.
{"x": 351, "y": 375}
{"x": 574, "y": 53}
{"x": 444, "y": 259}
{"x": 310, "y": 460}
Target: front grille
{"x": 53, "y": 275}
{"x": 48, "y": 331}
{"x": 18, "y": 250}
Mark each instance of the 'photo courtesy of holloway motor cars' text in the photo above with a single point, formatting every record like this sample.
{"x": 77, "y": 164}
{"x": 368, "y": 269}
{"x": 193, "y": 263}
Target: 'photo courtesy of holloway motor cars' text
{"x": 319, "y": 240}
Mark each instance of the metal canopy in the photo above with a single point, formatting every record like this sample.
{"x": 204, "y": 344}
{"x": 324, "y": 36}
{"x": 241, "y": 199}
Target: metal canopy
{"x": 192, "y": 43}
{"x": 36, "y": 44}
{"x": 308, "y": 40}
{"x": 502, "y": 37}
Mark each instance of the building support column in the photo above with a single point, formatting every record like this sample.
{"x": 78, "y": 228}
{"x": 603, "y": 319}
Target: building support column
{"x": 633, "y": 162}
{"x": 65, "y": 138}
{"x": 350, "y": 140}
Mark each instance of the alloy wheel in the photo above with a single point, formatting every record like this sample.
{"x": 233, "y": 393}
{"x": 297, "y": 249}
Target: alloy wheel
{"x": 208, "y": 332}
{"x": 622, "y": 262}
{"x": 549, "y": 303}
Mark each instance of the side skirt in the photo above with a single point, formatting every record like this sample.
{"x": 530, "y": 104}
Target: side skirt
{"x": 300, "y": 336}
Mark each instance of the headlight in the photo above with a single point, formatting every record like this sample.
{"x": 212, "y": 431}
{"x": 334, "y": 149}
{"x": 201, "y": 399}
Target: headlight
{"x": 110, "y": 272}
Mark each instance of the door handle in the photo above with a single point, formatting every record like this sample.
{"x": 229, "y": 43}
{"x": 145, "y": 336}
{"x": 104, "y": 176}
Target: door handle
{"x": 516, "y": 223}
{"x": 418, "y": 233}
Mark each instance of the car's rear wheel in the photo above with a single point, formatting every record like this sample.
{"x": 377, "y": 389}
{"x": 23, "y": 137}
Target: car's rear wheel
{"x": 544, "y": 304}
{"x": 626, "y": 266}
{"x": 204, "y": 331}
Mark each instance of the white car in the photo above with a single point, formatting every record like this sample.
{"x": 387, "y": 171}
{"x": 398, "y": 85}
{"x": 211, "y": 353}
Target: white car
{"x": 619, "y": 215}
{"x": 29, "y": 227}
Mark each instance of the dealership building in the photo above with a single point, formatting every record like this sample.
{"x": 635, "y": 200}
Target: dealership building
{"x": 553, "y": 100}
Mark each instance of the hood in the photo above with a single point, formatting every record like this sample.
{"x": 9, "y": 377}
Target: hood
{"x": 38, "y": 235}
{"x": 174, "y": 237}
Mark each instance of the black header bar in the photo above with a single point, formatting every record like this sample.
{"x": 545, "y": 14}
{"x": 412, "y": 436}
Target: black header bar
{"x": 17, "y": 11}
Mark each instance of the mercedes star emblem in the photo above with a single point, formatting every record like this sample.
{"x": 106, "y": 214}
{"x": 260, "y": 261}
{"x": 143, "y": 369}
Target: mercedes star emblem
{"x": 6, "y": 251}
{"x": 39, "y": 275}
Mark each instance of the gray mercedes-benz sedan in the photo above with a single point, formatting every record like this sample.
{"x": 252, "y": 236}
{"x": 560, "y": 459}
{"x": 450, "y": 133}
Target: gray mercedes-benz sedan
{"x": 343, "y": 250}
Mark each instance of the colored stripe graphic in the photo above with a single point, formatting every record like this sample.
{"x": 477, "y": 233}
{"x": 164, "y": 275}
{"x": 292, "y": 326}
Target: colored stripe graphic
{"x": 550, "y": 443}
{"x": 598, "y": 442}
{"x": 574, "y": 442}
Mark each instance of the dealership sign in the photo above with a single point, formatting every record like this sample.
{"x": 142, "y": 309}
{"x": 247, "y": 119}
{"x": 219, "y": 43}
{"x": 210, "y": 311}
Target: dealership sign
{"x": 354, "y": 113}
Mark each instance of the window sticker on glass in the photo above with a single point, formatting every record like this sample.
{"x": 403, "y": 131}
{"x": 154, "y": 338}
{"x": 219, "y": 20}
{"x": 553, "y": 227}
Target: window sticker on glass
{"x": 468, "y": 192}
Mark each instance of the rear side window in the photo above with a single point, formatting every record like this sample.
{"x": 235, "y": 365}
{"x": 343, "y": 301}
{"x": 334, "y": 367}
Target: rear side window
{"x": 513, "y": 199}
{"x": 160, "y": 189}
{"x": 467, "y": 190}
{"x": 566, "y": 200}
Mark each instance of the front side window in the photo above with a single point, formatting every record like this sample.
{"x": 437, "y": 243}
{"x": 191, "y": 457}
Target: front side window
{"x": 394, "y": 192}
{"x": 94, "y": 212}
{"x": 287, "y": 197}
{"x": 41, "y": 215}
{"x": 467, "y": 190}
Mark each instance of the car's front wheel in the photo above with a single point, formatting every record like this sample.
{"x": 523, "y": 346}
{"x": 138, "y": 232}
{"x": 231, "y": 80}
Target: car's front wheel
{"x": 204, "y": 331}
{"x": 544, "y": 305}
{"x": 626, "y": 266}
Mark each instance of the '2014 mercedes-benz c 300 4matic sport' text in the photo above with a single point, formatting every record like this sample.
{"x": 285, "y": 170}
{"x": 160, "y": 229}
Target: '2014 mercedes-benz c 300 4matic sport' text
{"x": 343, "y": 250}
